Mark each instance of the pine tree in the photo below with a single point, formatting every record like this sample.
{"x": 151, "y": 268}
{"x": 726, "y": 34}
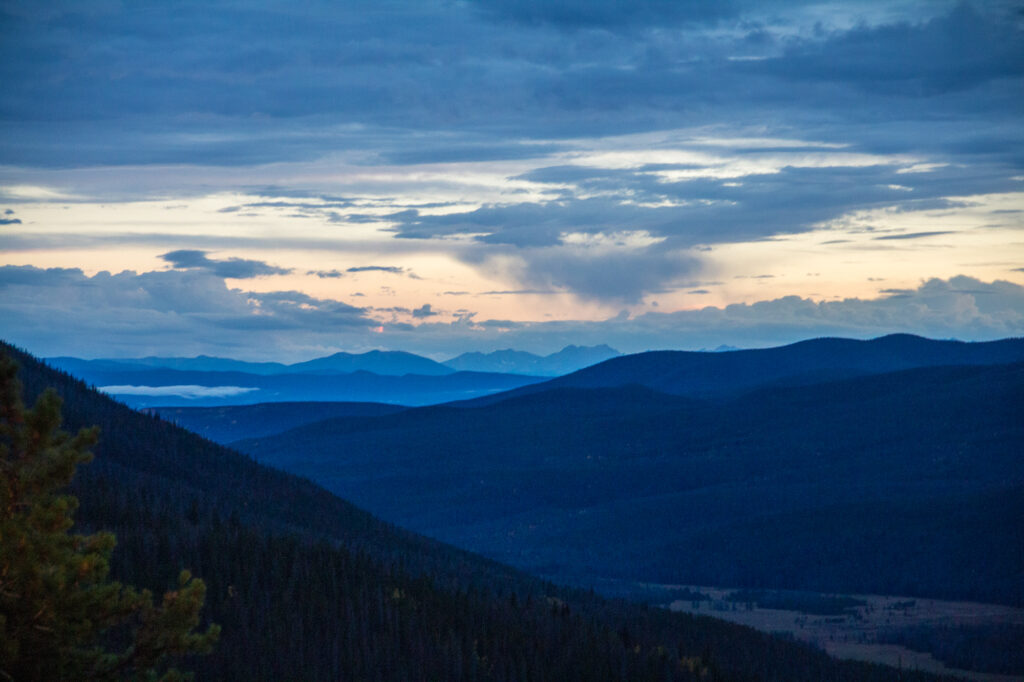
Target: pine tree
{"x": 61, "y": 618}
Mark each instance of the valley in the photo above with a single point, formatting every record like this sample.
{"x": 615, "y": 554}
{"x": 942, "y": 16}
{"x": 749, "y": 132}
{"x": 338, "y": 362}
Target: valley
{"x": 830, "y": 467}
{"x": 861, "y": 631}
{"x": 779, "y": 485}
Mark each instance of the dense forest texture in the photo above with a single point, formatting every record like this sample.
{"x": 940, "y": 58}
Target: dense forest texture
{"x": 229, "y": 423}
{"x": 990, "y": 647}
{"x": 306, "y": 586}
{"x": 729, "y": 374}
{"x": 907, "y": 482}
{"x": 60, "y": 616}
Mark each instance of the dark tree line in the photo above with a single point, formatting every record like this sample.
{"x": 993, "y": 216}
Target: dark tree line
{"x": 990, "y": 648}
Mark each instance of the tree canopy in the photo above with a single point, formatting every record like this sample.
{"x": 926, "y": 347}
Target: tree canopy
{"x": 61, "y": 618}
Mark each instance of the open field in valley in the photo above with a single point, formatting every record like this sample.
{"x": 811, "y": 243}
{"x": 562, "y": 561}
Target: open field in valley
{"x": 855, "y": 632}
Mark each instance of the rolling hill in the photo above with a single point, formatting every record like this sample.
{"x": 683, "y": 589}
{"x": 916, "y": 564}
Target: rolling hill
{"x": 229, "y": 423}
{"x": 907, "y": 482}
{"x": 306, "y": 586}
{"x": 711, "y": 375}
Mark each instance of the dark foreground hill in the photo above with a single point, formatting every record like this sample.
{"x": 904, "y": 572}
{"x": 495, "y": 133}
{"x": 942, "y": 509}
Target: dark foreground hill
{"x": 307, "y": 587}
{"x": 909, "y": 482}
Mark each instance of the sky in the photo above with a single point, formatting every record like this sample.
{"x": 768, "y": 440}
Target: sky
{"x": 283, "y": 180}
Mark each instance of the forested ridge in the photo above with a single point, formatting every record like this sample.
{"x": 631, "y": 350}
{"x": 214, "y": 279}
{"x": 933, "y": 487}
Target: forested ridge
{"x": 306, "y": 586}
{"x": 907, "y": 482}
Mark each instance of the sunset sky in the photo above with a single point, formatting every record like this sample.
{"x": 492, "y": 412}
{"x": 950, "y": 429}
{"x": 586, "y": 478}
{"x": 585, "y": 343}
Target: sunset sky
{"x": 282, "y": 180}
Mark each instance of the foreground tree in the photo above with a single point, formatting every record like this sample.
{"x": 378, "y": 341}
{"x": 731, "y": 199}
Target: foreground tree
{"x": 60, "y": 616}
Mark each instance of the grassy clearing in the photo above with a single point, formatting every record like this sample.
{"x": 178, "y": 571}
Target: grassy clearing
{"x": 854, "y": 626}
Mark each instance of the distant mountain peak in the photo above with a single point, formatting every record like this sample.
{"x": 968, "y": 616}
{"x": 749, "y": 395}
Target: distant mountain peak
{"x": 385, "y": 362}
{"x": 568, "y": 359}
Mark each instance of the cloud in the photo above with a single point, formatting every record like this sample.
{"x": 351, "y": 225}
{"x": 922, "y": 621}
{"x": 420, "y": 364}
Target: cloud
{"x": 390, "y": 269}
{"x": 611, "y": 14}
{"x": 913, "y": 235}
{"x": 10, "y": 221}
{"x": 619, "y": 273}
{"x": 192, "y": 311}
{"x": 184, "y": 391}
{"x": 177, "y": 312}
{"x": 253, "y": 83}
{"x": 696, "y": 209}
{"x": 183, "y": 312}
{"x": 960, "y": 50}
{"x": 424, "y": 311}
{"x": 468, "y": 151}
{"x": 326, "y": 274}
{"x": 233, "y": 268}
{"x": 395, "y": 270}
{"x": 677, "y": 208}
{"x": 540, "y": 132}
{"x": 960, "y": 307}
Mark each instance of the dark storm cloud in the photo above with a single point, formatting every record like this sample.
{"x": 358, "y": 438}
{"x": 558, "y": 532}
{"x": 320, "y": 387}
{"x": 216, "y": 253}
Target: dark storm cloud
{"x": 960, "y": 50}
{"x": 611, "y": 14}
{"x": 216, "y": 84}
{"x": 233, "y": 268}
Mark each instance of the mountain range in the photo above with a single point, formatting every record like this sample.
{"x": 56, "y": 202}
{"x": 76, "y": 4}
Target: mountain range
{"x": 377, "y": 376}
{"x": 390, "y": 363}
{"x": 157, "y": 386}
{"x": 719, "y": 374}
{"x": 887, "y": 466}
{"x": 569, "y": 359}
{"x": 307, "y": 586}
{"x": 386, "y": 363}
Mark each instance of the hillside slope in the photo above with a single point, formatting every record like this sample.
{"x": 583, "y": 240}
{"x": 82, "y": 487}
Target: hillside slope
{"x": 306, "y": 586}
{"x": 718, "y": 375}
{"x": 903, "y": 483}
{"x": 229, "y": 423}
